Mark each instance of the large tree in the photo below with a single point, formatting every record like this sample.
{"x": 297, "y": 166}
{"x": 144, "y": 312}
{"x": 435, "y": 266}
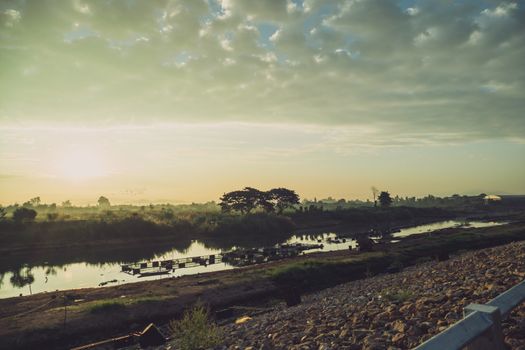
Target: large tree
{"x": 283, "y": 198}
{"x": 250, "y": 198}
{"x": 384, "y": 199}
{"x": 244, "y": 200}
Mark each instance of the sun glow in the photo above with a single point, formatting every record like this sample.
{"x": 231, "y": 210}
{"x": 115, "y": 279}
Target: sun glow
{"x": 81, "y": 164}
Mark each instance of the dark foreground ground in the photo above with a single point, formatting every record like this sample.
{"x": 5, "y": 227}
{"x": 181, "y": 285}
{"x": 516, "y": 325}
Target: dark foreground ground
{"x": 396, "y": 310}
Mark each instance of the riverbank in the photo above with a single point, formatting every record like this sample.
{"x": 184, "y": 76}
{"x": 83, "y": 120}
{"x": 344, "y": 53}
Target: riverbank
{"x": 39, "y": 319}
{"x": 217, "y": 230}
{"x": 390, "y": 311}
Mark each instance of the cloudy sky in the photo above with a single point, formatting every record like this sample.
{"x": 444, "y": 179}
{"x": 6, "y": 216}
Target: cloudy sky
{"x": 182, "y": 100}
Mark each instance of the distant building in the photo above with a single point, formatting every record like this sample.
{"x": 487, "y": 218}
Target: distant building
{"x": 491, "y": 198}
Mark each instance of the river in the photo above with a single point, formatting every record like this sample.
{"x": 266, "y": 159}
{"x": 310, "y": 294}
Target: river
{"x": 47, "y": 277}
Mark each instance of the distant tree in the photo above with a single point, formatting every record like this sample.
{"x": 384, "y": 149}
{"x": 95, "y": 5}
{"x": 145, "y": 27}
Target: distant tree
{"x": 384, "y": 199}
{"x": 167, "y": 213}
{"x": 103, "y": 202}
{"x": 24, "y": 214}
{"x": 283, "y": 198}
{"x": 52, "y": 216}
{"x": 35, "y": 202}
{"x": 67, "y": 204}
{"x": 3, "y": 213}
{"x": 375, "y": 191}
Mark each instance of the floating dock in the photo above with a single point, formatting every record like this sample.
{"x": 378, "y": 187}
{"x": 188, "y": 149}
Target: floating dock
{"x": 236, "y": 257}
{"x": 161, "y": 267}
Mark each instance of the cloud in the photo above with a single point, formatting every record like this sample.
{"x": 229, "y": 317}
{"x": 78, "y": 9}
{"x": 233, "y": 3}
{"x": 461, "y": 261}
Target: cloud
{"x": 453, "y": 70}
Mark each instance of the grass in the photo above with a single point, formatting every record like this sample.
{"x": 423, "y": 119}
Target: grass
{"x": 119, "y": 304}
{"x": 106, "y": 307}
{"x": 195, "y": 330}
{"x": 319, "y": 273}
{"x": 315, "y": 274}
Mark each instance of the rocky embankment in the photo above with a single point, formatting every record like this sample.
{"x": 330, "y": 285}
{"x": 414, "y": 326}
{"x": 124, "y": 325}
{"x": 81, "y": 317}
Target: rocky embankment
{"x": 396, "y": 311}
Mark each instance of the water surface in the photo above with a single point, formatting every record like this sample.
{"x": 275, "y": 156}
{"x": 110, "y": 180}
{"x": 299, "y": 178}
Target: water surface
{"x": 46, "y": 278}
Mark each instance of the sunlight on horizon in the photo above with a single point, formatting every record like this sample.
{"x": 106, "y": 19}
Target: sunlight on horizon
{"x": 80, "y": 164}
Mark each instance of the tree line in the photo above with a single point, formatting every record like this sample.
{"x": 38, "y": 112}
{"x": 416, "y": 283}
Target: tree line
{"x": 249, "y": 199}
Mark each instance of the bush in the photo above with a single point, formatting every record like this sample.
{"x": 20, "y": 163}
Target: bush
{"x": 24, "y": 214}
{"x": 195, "y": 330}
{"x": 52, "y": 216}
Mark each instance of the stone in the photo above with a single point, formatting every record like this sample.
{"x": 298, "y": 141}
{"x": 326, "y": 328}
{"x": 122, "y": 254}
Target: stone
{"x": 398, "y": 338}
{"x": 399, "y": 326}
{"x": 360, "y": 333}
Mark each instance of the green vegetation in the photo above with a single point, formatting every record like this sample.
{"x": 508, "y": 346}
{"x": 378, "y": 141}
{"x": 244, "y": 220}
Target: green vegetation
{"x": 195, "y": 330}
{"x": 103, "y": 202}
{"x": 370, "y": 217}
{"x": 222, "y": 229}
{"x": 313, "y": 274}
{"x": 120, "y": 304}
{"x": 106, "y": 307}
{"x": 384, "y": 199}
{"x": 24, "y": 215}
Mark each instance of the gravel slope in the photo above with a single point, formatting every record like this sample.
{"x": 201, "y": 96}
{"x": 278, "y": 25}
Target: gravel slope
{"x": 397, "y": 311}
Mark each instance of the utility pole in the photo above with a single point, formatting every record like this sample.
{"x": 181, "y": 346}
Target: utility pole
{"x": 65, "y": 310}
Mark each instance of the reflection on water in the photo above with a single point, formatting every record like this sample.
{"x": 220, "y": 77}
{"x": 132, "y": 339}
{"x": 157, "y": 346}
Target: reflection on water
{"x": 330, "y": 242}
{"x": 92, "y": 268}
{"x": 82, "y": 275}
{"x": 444, "y": 224}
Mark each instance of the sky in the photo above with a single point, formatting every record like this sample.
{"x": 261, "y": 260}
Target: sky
{"x": 182, "y": 100}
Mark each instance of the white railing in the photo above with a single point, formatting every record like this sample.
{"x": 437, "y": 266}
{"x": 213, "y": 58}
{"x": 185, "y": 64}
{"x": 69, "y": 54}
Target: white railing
{"x": 481, "y": 326}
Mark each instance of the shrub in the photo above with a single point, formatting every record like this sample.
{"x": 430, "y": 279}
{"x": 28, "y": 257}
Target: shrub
{"x": 24, "y": 214}
{"x": 52, "y": 216}
{"x": 195, "y": 330}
